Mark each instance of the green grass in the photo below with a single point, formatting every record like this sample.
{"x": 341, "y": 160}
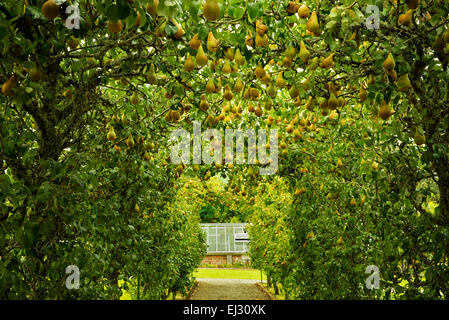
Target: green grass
{"x": 219, "y": 273}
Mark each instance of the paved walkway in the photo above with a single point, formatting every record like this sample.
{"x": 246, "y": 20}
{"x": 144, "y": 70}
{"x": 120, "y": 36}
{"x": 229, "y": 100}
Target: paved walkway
{"x": 228, "y": 289}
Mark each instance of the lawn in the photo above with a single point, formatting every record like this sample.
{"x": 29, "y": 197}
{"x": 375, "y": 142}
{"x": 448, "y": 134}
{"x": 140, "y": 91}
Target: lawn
{"x": 220, "y": 273}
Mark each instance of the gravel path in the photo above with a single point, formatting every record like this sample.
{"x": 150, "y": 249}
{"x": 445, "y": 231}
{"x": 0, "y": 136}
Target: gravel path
{"x": 227, "y": 289}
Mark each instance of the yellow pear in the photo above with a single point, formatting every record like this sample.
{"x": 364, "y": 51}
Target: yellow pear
{"x": 290, "y": 53}
{"x": 389, "y": 62}
{"x": 249, "y": 39}
{"x": 406, "y": 18}
{"x": 151, "y": 75}
{"x": 384, "y": 111}
{"x": 229, "y": 54}
{"x": 226, "y": 68}
{"x": 303, "y": 11}
{"x": 340, "y": 240}
{"x": 403, "y": 83}
{"x": 212, "y": 43}
{"x": 328, "y": 62}
{"x": 260, "y": 71}
{"x": 228, "y": 95}
{"x": 312, "y": 24}
{"x": 304, "y": 54}
{"x": 130, "y": 141}
{"x": 271, "y": 91}
{"x": 363, "y": 93}
{"x": 115, "y": 26}
{"x": 9, "y": 85}
{"x": 201, "y": 57}
{"x": 258, "y": 111}
{"x": 238, "y": 86}
{"x": 261, "y": 41}
{"x": 280, "y": 82}
{"x": 292, "y": 7}
{"x": 210, "y": 86}
{"x": 180, "y": 32}
{"x": 332, "y": 102}
{"x": 152, "y": 8}
{"x": 313, "y": 64}
{"x": 294, "y": 91}
{"x": 261, "y": 28}
{"x": 239, "y": 58}
{"x": 195, "y": 42}
{"x": 134, "y": 98}
{"x": 211, "y": 10}
{"x": 204, "y": 105}
{"x": 111, "y": 134}
{"x": 189, "y": 64}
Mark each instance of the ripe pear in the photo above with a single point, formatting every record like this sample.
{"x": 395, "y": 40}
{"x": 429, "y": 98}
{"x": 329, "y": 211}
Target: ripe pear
{"x": 227, "y": 68}
{"x": 146, "y": 156}
{"x": 258, "y": 112}
{"x": 312, "y": 24}
{"x": 254, "y": 93}
{"x": 328, "y": 62}
{"x": 201, "y": 57}
{"x": 8, "y": 86}
{"x": 261, "y": 41}
{"x": 189, "y": 64}
{"x": 294, "y": 91}
{"x": 111, "y": 134}
{"x": 363, "y": 93}
{"x": 180, "y": 32}
{"x": 134, "y": 98}
{"x": 261, "y": 28}
{"x": 384, "y": 111}
{"x": 389, "y": 62}
{"x": 212, "y": 43}
{"x": 419, "y": 138}
{"x": 238, "y": 86}
{"x": 35, "y": 75}
{"x": 287, "y": 63}
{"x": 210, "y": 86}
{"x": 228, "y": 95}
{"x": 303, "y": 11}
{"x": 392, "y": 74}
{"x": 280, "y": 82}
{"x": 271, "y": 91}
{"x": 115, "y": 26}
{"x": 151, "y": 75}
{"x": 229, "y": 54}
{"x": 290, "y": 53}
{"x": 130, "y": 141}
{"x": 50, "y": 9}
{"x": 306, "y": 84}
{"x": 204, "y": 105}
{"x": 406, "y": 18}
{"x": 310, "y": 105}
{"x": 249, "y": 39}
{"x": 313, "y": 64}
{"x": 304, "y": 54}
{"x": 239, "y": 58}
{"x": 152, "y": 8}
{"x": 403, "y": 83}
{"x": 292, "y": 7}
{"x": 195, "y": 42}
{"x": 332, "y": 102}
{"x": 211, "y": 10}
{"x": 260, "y": 71}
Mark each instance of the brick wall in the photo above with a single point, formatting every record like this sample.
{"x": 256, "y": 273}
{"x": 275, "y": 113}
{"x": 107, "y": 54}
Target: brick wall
{"x": 221, "y": 259}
